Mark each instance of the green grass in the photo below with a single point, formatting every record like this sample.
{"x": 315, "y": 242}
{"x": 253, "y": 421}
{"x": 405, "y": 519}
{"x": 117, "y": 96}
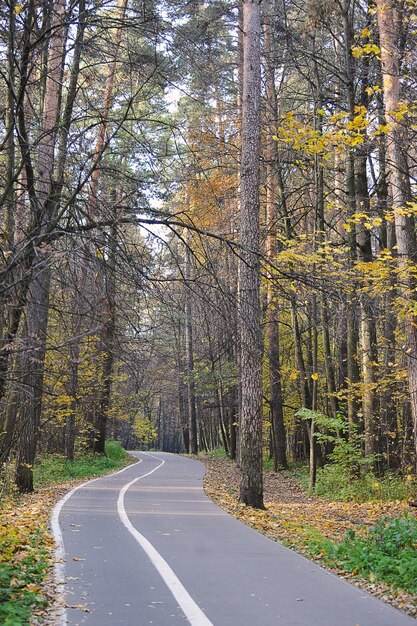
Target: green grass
{"x": 54, "y": 468}
{"x": 216, "y": 453}
{"x": 332, "y": 484}
{"x": 386, "y": 552}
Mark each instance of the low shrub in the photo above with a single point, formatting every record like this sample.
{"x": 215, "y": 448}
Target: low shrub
{"x": 386, "y": 552}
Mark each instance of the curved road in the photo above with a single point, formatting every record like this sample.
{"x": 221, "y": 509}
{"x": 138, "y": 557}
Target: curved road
{"x": 146, "y": 546}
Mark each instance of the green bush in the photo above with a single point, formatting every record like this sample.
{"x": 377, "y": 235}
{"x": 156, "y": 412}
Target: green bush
{"x": 349, "y": 475}
{"x": 387, "y": 552}
{"x": 114, "y": 451}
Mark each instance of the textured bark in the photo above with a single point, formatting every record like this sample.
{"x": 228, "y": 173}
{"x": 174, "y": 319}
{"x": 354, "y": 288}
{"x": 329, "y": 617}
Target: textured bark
{"x": 232, "y": 412}
{"x": 36, "y": 314}
{"x": 368, "y": 339}
{"x": 239, "y": 122}
{"x": 275, "y": 386}
{"x": 389, "y": 26}
{"x": 352, "y": 364}
{"x": 305, "y": 390}
{"x": 182, "y": 389}
{"x": 191, "y": 399}
{"x": 31, "y": 368}
{"x": 108, "y": 322}
{"x": 15, "y": 280}
{"x": 328, "y": 359}
{"x": 10, "y": 142}
{"x": 108, "y": 335}
{"x": 251, "y": 484}
{"x": 9, "y": 196}
{"x": 352, "y": 330}
{"x": 75, "y": 348}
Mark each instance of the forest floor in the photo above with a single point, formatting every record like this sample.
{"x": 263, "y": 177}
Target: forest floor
{"x": 302, "y": 522}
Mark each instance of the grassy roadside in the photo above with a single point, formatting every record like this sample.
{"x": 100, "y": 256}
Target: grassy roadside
{"x": 26, "y": 547}
{"x": 372, "y": 543}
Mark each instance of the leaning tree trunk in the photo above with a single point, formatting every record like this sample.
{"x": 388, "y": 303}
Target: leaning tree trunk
{"x": 36, "y": 314}
{"x": 251, "y": 483}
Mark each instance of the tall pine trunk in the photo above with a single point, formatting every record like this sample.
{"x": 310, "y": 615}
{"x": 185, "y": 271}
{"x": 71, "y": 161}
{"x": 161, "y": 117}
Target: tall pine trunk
{"x": 389, "y": 25}
{"x": 276, "y": 400}
{"x": 251, "y": 482}
{"x": 189, "y": 350}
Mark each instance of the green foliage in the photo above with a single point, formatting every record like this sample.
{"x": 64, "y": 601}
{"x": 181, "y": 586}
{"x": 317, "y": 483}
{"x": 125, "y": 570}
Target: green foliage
{"x": 268, "y": 463}
{"x": 347, "y": 450}
{"x": 56, "y": 468}
{"x": 328, "y": 426}
{"x": 386, "y": 552}
{"x": 348, "y": 476}
{"x": 332, "y": 483}
{"x": 115, "y": 452}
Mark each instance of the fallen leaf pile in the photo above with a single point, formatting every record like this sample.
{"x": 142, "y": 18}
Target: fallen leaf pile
{"x": 294, "y": 518}
{"x": 24, "y": 527}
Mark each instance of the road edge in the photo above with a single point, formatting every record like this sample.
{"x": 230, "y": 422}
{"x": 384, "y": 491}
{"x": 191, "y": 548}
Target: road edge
{"x": 58, "y": 570}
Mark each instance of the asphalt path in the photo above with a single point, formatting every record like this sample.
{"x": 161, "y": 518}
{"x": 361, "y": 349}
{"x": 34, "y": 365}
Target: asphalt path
{"x": 146, "y": 546}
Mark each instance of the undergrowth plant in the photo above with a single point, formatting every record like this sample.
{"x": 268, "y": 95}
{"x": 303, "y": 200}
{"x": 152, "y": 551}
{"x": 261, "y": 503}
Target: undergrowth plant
{"x": 349, "y": 475}
{"x": 387, "y": 552}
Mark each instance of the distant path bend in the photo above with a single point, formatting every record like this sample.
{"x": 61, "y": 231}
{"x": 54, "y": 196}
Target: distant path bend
{"x": 147, "y": 546}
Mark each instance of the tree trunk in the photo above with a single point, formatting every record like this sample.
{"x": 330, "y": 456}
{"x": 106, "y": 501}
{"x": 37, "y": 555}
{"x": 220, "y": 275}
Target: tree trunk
{"x": 38, "y": 305}
{"x": 251, "y": 483}
{"x": 192, "y": 413}
{"x": 108, "y": 343}
{"x": 276, "y": 401}
{"x": 389, "y": 25}
{"x": 352, "y": 330}
{"x": 107, "y": 100}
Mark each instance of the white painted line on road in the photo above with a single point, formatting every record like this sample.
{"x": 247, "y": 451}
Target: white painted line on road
{"x": 192, "y": 611}
{"x": 59, "y": 553}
